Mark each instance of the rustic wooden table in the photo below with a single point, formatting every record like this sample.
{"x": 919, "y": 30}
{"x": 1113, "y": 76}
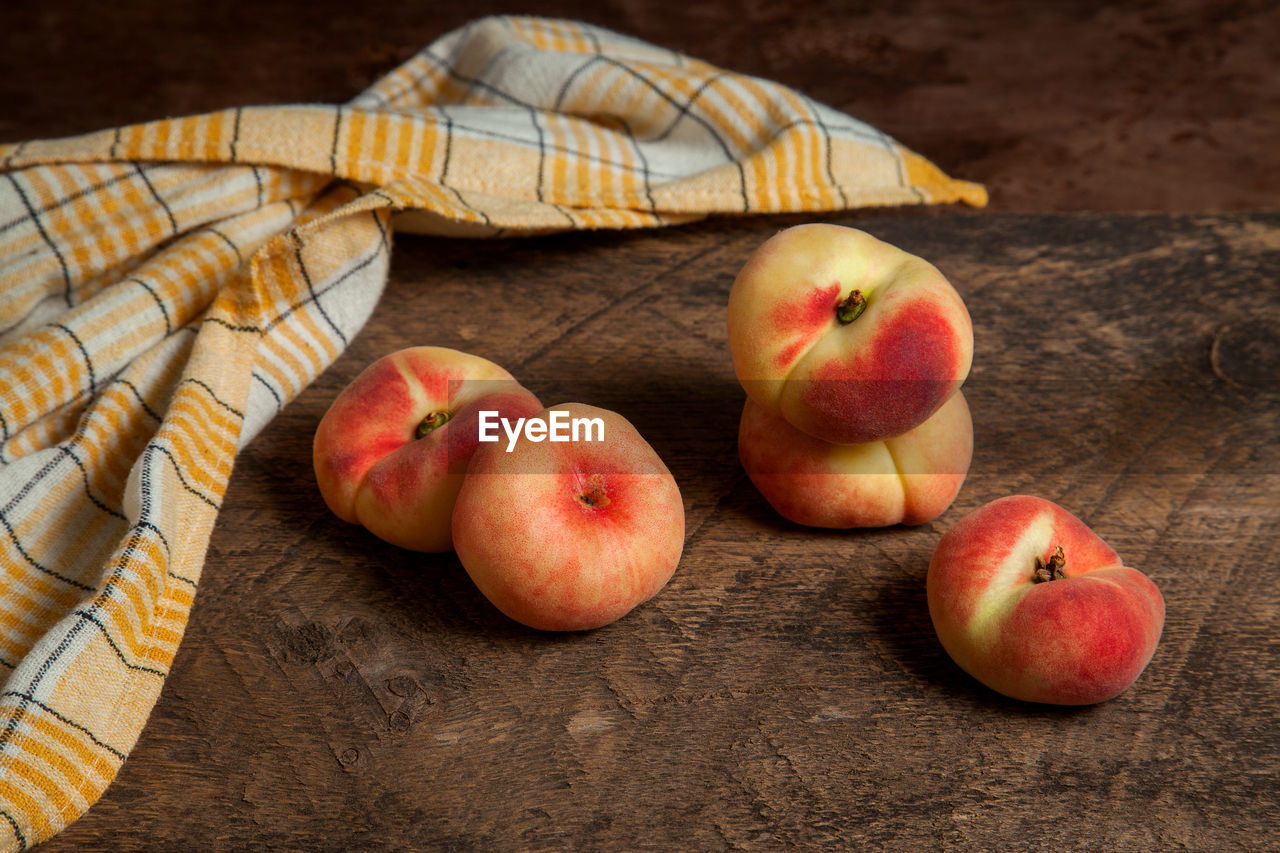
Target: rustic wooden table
{"x": 786, "y": 689}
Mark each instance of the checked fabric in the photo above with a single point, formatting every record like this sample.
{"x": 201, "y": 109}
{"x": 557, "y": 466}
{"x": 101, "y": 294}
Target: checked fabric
{"x": 166, "y": 288}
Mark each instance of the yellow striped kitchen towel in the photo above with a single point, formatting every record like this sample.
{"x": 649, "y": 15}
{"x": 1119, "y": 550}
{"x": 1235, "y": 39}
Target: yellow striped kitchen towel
{"x": 166, "y": 288}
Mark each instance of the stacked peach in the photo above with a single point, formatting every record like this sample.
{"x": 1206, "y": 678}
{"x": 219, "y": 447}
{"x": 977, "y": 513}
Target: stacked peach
{"x": 558, "y": 535}
{"x": 852, "y": 353}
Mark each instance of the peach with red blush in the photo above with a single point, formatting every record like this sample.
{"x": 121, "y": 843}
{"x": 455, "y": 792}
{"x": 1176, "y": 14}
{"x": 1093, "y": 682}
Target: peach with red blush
{"x": 847, "y": 337}
{"x": 391, "y": 451}
{"x": 569, "y": 535}
{"x": 1031, "y": 602}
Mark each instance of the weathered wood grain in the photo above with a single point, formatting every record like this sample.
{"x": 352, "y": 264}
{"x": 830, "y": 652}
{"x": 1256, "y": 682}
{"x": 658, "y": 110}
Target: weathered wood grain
{"x": 786, "y": 689}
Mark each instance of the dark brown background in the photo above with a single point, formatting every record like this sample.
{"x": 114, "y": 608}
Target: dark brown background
{"x": 786, "y": 689}
{"x": 1072, "y": 106}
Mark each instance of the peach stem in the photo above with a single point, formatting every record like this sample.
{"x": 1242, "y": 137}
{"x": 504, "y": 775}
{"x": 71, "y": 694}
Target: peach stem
{"x": 1052, "y": 570}
{"x": 431, "y": 422}
{"x": 849, "y": 308}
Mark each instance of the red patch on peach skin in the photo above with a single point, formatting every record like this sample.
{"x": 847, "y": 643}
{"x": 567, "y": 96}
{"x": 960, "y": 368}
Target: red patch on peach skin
{"x": 463, "y": 434}
{"x": 367, "y": 421}
{"x": 1082, "y": 640}
{"x": 381, "y": 388}
{"x": 803, "y": 320}
{"x": 374, "y": 413}
{"x": 1082, "y": 548}
{"x": 396, "y": 481}
{"x": 901, "y": 378}
{"x": 919, "y": 345}
{"x": 350, "y": 465}
{"x": 437, "y": 383}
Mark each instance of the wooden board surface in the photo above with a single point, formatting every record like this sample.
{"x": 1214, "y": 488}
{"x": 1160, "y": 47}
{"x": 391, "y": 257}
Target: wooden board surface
{"x": 786, "y": 688}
